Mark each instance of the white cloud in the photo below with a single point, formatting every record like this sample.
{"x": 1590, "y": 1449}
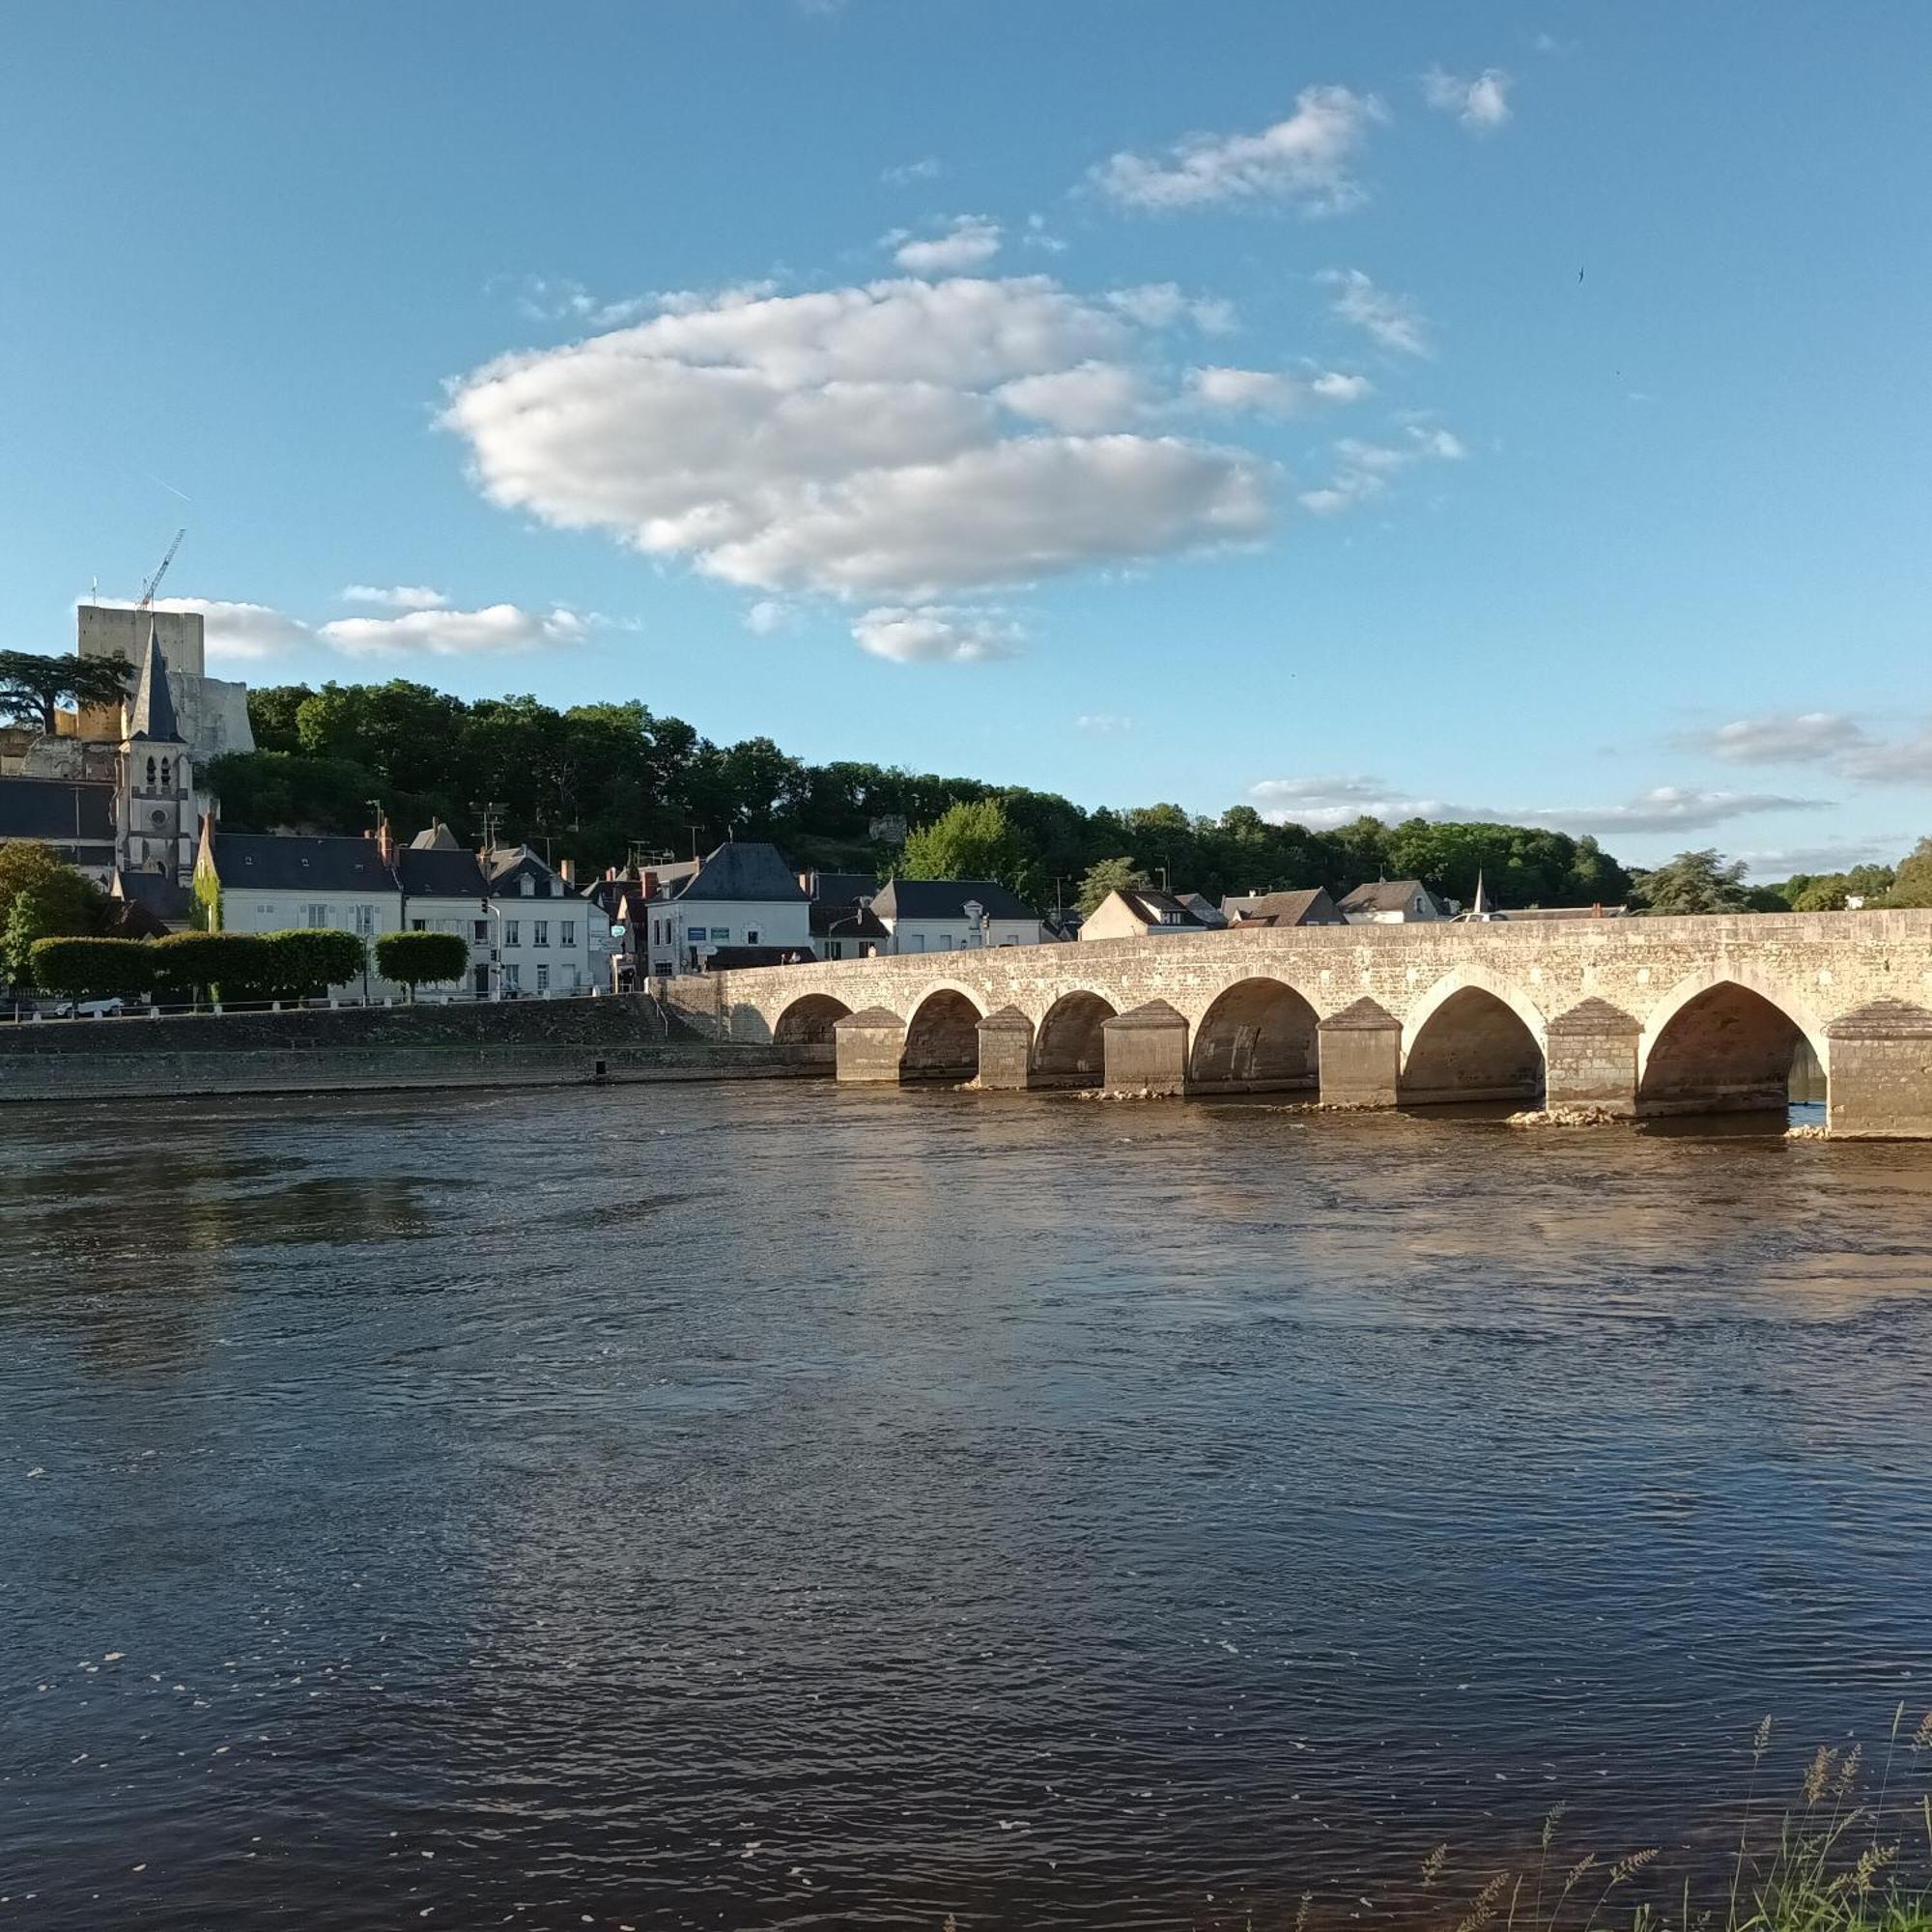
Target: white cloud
{"x": 970, "y": 241}
{"x": 850, "y": 442}
{"x": 1165, "y": 306}
{"x": 1364, "y": 469}
{"x": 1305, "y": 159}
{"x": 1332, "y": 386}
{"x": 1783, "y": 738}
{"x": 1093, "y": 396}
{"x": 396, "y": 596}
{"x": 1394, "y": 321}
{"x": 1481, "y": 104}
{"x": 1324, "y": 803}
{"x": 1103, "y": 723}
{"x": 906, "y": 173}
{"x": 1829, "y": 855}
{"x": 1039, "y": 236}
{"x": 544, "y": 300}
{"x": 1903, "y": 761}
{"x": 447, "y": 633}
{"x": 937, "y": 634}
{"x": 768, "y": 615}
{"x": 238, "y": 633}
{"x": 1240, "y": 390}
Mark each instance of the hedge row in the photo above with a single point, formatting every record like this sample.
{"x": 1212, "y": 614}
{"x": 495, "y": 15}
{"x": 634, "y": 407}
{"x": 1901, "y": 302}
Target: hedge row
{"x": 229, "y": 965}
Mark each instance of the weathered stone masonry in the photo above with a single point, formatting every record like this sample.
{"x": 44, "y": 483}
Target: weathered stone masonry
{"x": 1627, "y": 1016}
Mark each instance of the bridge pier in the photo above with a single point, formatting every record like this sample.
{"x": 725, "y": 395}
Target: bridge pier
{"x": 868, "y": 1046}
{"x": 1005, "y": 1051}
{"x": 1146, "y": 1051}
{"x": 1360, "y": 1054}
{"x": 1879, "y": 1085}
{"x": 1590, "y": 1058}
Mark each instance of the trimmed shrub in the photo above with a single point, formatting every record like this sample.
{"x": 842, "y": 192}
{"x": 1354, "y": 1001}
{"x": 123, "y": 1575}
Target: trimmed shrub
{"x": 230, "y": 965}
{"x": 416, "y": 959}
{"x": 305, "y": 961}
{"x": 92, "y": 968}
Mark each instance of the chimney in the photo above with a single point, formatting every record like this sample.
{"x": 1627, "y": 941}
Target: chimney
{"x": 566, "y": 870}
{"x": 385, "y": 841}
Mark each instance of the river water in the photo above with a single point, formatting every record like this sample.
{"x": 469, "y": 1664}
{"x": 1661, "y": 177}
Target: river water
{"x": 774, "y": 1506}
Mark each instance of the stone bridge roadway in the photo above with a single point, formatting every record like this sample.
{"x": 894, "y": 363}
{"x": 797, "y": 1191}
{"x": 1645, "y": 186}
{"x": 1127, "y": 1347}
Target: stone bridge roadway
{"x": 1635, "y": 1016}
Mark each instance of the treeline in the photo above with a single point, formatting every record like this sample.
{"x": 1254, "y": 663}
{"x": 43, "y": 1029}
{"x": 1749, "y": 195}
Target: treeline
{"x": 601, "y": 781}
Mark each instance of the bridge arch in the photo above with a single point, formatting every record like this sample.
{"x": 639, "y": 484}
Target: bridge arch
{"x": 1257, "y": 1035}
{"x": 942, "y": 1036}
{"x": 1723, "y": 1040}
{"x": 1472, "y": 1036}
{"x": 1070, "y": 1045}
{"x": 809, "y": 1021}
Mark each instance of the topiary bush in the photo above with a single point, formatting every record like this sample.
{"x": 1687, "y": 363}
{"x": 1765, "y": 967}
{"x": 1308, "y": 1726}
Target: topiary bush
{"x": 230, "y": 966}
{"x": 416, "y": 959}
{"x": 305, "y": 961}
{"x": 92, "y": 968}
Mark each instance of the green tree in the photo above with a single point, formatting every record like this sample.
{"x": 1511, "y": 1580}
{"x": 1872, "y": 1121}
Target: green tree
{"x": 63, "y": 899}
{"x": 92, "y": 968}
{"x": 1830, "y": 892}
{"x": 33, "y": 688}
{"x": 272, "y": 714}
{"x": 306, "y": 961}
{"x": 1110, "y": 875}
{"x": 230, "y": 967}
{"x": 1912, "y": 886}
{"x": 970, "y": 841}
{"x": 1693, "y": 882}
{"x": 416, "y": 959}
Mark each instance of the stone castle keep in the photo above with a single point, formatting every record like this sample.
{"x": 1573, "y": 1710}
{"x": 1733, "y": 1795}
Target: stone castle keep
{"x": 1629, "y": 1018}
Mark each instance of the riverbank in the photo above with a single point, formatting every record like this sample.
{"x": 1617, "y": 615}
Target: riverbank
{"x": 377, "y": 1049}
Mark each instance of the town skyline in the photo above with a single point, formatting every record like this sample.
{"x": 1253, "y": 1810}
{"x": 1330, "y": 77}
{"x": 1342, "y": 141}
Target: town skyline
{"x": 1450, "y": 383}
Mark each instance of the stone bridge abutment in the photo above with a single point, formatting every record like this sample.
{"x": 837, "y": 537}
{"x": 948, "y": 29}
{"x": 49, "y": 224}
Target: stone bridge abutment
{"x": 1627, "y": 1017}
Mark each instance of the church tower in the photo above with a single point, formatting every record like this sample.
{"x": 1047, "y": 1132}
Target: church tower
{"x": 154, "y": 819}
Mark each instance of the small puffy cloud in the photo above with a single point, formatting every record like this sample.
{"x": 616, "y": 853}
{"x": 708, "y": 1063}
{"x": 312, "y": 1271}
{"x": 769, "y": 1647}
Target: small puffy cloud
{"x": 449, "y": 634}
{"x": 857, "y": 441}
{"x": 927, "y": 168}
{"x": 1332, "y": 386}
{"x": 1306, "y": 159}
{"x": 1038, "y": 235}
{"x": 1481, "y": 104}
{"x": 1103, "y": 723}
{"x": 1166, "y": 304}
{"x": 970, "y": 241}
{"x": 396, "y": 596}
{"x": 1093, "y": 396}
{"x": 937, "y": 634}
{"x": 1394, "y": 321}
{"x": 1783, "y": 738}
{"x": 544, "y": 300}
{"x": 767, "y": 615}
{"x": 1237, "y": 391}
{"x": 238, "y": 633}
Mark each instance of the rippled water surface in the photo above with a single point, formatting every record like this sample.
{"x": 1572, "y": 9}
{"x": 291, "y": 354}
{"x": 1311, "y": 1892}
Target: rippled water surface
{"x": 779, "y": 1507}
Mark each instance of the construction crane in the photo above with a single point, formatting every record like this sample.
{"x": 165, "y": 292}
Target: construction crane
{"x": 153, "y": 582}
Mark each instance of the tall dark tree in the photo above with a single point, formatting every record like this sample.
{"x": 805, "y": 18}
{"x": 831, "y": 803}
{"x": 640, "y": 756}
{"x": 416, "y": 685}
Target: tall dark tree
{"x": 33, "y": 688}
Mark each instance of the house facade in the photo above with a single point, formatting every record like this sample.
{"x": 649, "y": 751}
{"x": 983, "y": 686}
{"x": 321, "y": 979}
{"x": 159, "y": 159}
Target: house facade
{"x": 953, "y": 914}
{"x": 741, "y": 898}
{"x": 1310, "y": 907}
{"x": 1135, "y": 912}
{"x": 1393, "y": 902}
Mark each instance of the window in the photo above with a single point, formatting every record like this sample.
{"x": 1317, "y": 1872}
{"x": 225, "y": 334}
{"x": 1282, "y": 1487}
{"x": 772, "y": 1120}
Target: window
{"x": 539, "y": 932}
{"x": 513, "y": 930}
{"x": 167, "y": 775}
{"x": 318, "y": 918}
{"x": 527, "y": 885}
{"x": 750, "y": 935}
{"x": 510, "y": 974}
{"x": 365, "y": 922}
{"x": 834, "y": 949}
{"x": 418, "y": 925}
{"x": 915, "y": 942}
{"x": 543, "y": 979}
{"x": 150, "y": 774}
{"x": 945, "y": 942}
{"x": 567, "y": 932}
{"x": 481, "y": 931}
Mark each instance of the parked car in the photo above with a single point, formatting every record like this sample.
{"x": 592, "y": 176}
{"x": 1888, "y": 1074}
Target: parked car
{"x": 87, "y": 1009}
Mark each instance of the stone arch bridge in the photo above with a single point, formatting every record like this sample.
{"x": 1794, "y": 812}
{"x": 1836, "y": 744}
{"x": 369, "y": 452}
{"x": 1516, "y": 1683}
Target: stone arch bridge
{"x": 1632, "y": 1016}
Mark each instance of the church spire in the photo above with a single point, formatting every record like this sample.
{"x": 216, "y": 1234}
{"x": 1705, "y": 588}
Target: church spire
{"x": 153, "y": 710}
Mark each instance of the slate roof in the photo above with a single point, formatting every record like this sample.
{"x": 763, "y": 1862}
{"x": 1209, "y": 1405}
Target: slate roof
{"x": 1389, "y": 895}
{"x": 742, "y": 869}
{"x": 272, "y": 861}
{"x": 153, "y": 713}
{"x": 1311, "y": 907}
{"x": 843, "y": 888}
{"x": 438, "y": 871}
{"x": 160, "y": 897}
{"x": 846, "y": 922}
{"x": 945, "y": 899}
{"x": 57, "y": 811}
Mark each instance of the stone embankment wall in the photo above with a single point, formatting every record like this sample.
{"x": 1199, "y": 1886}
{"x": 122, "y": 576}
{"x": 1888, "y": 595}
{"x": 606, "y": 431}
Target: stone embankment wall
{"x": 522, "y": 1044}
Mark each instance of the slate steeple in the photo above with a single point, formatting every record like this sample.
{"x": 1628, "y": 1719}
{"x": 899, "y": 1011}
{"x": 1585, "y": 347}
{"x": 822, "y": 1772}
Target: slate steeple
{"x": 153, "y": 715}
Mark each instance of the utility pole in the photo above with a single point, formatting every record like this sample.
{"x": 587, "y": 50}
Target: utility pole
{"x": 492, "y": 816}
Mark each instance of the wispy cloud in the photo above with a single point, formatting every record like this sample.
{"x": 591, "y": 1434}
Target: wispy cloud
{"x": 904, "y": 172}
{"x": 496, "y": 628}
{"x": 1103, "y": 723}
{"x": 1832, "y": 739}
{"x": 1364, "y": 469}
{"x": 1391, "y": 319}
{"x": 545, "y": 300}
{"x": 396, "y": 596}
{"x": 936, "y": 634}
{"x": 1480, "y": 104}
{"x": 1306, "y": 160}
{"x": 968, "y": 242}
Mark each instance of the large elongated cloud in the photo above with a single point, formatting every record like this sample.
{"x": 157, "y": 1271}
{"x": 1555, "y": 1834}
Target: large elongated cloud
{"x": 901, "y": 441}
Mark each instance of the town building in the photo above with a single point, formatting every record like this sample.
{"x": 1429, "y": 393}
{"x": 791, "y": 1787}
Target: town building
{"x": 951, "y": 914}
{"x": 1133, "y": 912}
{"x": 742, "y": 895}
{"x": 1311, "y": 907}
{"x": 844, "y": 923}
{"x": 1393, "y": 902}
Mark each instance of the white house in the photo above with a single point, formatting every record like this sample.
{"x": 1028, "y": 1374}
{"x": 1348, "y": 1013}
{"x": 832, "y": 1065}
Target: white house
{"x": 269, "y": 882}
{"x": 1135, "y": 911}
{"x": 951, "y": 914}
{"x": 742, "y": 900}
{"x": 1392, "y": 902}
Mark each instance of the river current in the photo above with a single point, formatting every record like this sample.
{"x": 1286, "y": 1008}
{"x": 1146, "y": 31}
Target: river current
{"x": 777, "y": 1506}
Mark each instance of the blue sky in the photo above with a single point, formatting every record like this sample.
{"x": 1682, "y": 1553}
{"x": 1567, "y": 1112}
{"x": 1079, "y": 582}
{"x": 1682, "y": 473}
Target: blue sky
{"x": 1468, "y": 410}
